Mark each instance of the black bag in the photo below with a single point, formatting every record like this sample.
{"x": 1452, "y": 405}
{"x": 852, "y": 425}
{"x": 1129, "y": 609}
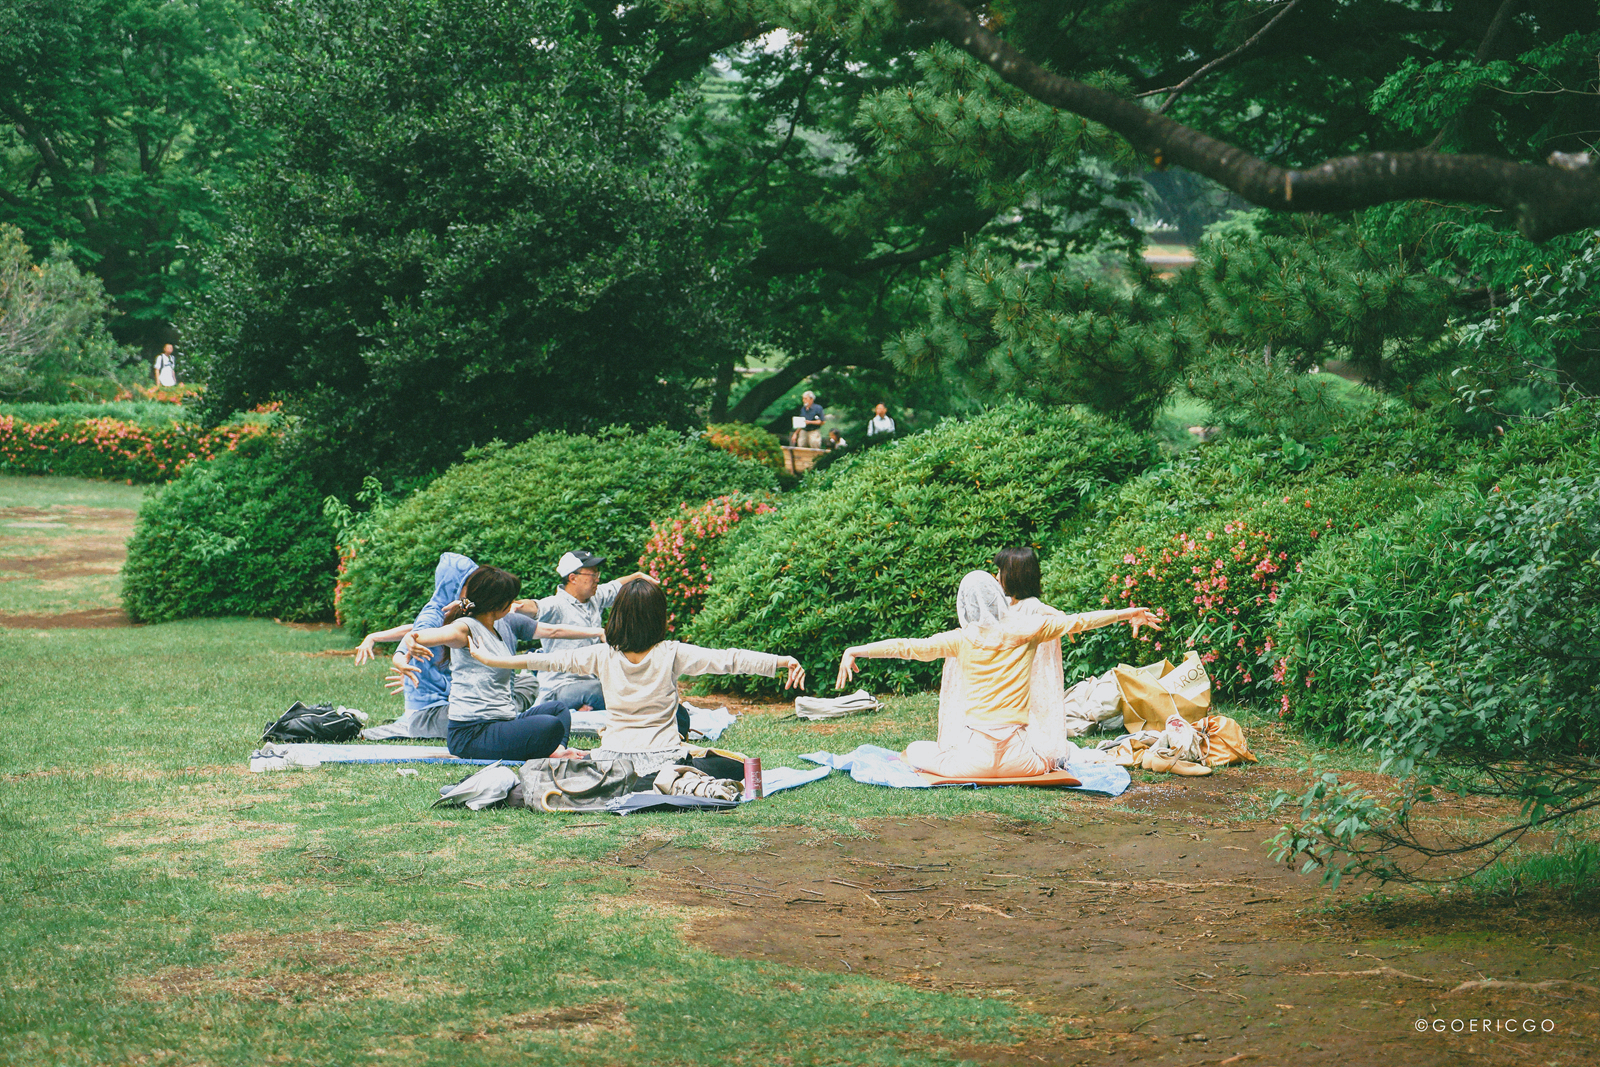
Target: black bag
{"x": 319, "y": 722}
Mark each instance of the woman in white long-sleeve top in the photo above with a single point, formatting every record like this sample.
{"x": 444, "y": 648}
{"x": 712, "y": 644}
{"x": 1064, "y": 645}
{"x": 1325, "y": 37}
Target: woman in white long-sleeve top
{"x": 639, "y": 668}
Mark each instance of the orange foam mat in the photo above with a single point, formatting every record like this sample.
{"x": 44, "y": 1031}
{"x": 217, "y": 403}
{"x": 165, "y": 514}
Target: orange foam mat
{"x": 1057, "y": 779}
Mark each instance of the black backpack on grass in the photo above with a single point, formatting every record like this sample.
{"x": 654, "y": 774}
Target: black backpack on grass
{"x": 319, "y": 722}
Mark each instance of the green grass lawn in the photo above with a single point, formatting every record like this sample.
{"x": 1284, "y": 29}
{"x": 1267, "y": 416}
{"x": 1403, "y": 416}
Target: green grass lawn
{"x": 30, "y": 491}
{"x": 164, "y": 905}
{"x": 61, "y": 544}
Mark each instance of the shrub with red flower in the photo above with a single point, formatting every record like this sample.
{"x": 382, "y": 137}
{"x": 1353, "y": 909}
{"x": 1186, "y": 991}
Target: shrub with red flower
{"x": 681, "y": 552}
{"x": 112, "y": 449}
{"x": 1214, "y": 591}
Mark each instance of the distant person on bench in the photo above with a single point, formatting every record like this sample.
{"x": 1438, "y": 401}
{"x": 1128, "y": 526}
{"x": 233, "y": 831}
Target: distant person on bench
{"x": 880, "y": 422}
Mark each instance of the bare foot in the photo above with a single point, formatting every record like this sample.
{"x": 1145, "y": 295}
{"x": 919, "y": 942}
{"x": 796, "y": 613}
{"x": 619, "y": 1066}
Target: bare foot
{"x": 566, "y": 753}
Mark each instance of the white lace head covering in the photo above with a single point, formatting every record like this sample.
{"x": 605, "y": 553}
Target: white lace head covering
{"x": 980, "y": 601}
{"x": 985, "y": 614}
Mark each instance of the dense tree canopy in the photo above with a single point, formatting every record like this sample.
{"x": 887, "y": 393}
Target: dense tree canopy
{"x": 1480, "y": 87}
{"x": 471, "y": 225}
{"x": 118, "y": 129}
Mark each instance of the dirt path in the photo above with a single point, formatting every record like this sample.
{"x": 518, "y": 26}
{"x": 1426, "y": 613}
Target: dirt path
{"x": 1167, "y": 936}
{"x": 59, "y": 566}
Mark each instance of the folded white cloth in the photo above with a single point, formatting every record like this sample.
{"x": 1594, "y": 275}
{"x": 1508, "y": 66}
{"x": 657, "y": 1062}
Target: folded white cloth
{"x": 835, "y": 707}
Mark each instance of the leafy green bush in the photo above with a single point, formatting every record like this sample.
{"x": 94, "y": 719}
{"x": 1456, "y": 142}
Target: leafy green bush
{"x": 875, "y": 547}
{"x": 241, "y": 534}
{"x": 683, "y": 550}
{"x": 1463, "y": 653}
{"x": 521, "y": 507}
{"x": 1147, "y": 537}
{"x": 1399, "y": 577}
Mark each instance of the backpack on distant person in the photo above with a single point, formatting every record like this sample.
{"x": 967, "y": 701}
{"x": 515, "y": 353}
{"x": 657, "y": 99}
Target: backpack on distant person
{"x": 318, "y": 722}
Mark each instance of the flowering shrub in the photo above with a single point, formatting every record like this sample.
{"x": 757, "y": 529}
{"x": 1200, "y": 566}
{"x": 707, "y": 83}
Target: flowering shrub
{"x": 112, "y": 448}
{"x": 680, "y": 551}
{"x": 1214, "y": 590}
{"x": 747, "y": 442}
{"x": 1217, "y": 575}
{"x": 176, "y": 394}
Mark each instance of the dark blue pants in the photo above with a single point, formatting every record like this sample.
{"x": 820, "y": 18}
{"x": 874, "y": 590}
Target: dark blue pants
{"x": 534, "y": 734}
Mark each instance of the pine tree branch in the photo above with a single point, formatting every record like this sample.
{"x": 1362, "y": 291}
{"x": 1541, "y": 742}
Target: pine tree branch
{"x": 1176, "y": 91}
{"x": 1546, "y": 201}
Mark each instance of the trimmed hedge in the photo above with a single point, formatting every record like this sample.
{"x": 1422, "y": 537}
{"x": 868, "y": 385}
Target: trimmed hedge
{"x": 875, "y": 547}
{"x": 241, "y": 534}
{"x": 520, "y": 507}
{"x": 112, "y": 449}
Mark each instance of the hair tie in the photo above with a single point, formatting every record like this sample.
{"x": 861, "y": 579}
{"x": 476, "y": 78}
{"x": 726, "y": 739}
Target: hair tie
{"x": 467, "y": 605}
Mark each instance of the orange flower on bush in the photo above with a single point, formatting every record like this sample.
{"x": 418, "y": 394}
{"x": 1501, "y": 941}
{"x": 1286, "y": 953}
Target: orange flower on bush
{"x": 111, "y": 448}
{"x": 679, "y": 553}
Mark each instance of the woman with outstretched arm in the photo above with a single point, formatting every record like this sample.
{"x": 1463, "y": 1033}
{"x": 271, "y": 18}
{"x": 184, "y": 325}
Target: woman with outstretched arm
{"x": 639, "y": 670}
{"x": 489, "y": 716}
{"x": 994, "y": 653}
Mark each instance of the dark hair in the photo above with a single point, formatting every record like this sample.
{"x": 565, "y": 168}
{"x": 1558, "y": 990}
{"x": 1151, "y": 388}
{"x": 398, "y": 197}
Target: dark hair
{"x": 638, "y": 619}
{"x": 1019, "y": 572}
{"x": 486, "y": 589}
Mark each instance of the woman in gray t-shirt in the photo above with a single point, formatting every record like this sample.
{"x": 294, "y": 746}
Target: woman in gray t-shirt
{"x": 489, "y": 717}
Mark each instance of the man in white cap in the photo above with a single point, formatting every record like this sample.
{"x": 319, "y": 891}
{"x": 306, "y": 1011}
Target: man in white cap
{"x": 581, "y": 596}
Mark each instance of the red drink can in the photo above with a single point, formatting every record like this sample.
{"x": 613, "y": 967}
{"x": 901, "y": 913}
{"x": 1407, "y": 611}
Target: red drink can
{"x": 752, "y": 778}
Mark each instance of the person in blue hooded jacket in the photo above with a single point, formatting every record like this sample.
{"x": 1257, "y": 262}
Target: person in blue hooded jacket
{"x": 426, "y": 682}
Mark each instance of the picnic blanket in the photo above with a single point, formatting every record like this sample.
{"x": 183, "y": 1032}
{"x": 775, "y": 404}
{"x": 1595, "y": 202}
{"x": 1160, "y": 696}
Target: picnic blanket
{"x": 873, "y": 765}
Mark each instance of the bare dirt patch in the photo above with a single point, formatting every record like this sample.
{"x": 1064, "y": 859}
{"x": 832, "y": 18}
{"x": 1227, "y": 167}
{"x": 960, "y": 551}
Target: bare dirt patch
{"x": 48, "y": 549}
{"x": 94, "y": 619}
{"x": 338, "y": 965}
{"x": 1165, "y": 933}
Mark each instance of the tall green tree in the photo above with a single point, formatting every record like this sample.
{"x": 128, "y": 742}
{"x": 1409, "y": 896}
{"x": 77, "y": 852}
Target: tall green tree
{"x": 52, "y": 320}
{"x": 472, "y": 225}
{"x": 118, "y": 131}
{"x": 1298, "y": 106}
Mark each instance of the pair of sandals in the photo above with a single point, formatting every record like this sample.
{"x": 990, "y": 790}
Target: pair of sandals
{"x": 1167, "y": 761}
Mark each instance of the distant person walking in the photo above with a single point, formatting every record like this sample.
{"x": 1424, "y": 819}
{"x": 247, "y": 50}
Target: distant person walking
{"x": 880, "y": 422}
{"x": 808, "y": 431}
{"x": 166, "y": 368}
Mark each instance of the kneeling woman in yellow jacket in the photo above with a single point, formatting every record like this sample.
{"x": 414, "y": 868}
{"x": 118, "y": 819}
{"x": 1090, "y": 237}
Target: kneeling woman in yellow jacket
{"x": 994, "y": 652}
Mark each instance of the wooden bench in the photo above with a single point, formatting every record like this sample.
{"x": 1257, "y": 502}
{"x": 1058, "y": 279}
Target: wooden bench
{"x": 796, "y": 460}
